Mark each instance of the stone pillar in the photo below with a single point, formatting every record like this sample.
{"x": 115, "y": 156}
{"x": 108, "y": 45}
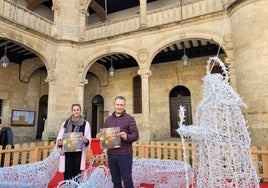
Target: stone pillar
{"x": 49, "y": 131}
{"x": 143, "y": 9}
{"x": 229, "y": 60}
{"x": 231, "y": 68}
{"x": 145, "y": 72}
{"x": 81, "y": 85}
{"x": 250, "y": 36}
{"x": 145, "y": 133}
{"x": 83, "y": 18}
{"x": 67, "y": 18}
{"x": 65, "y": 87}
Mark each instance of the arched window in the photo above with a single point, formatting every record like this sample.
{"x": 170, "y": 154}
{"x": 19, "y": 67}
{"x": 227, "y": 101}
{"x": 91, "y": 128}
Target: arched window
{"x": 179, "y": 96}
{"x": 97, "y": 117}
{"x": 137, "y": 98}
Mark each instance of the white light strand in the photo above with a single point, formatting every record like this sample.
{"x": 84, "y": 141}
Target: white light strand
{"x": 181, "y": 122}
{"x": 30, "y": 175}
{"x": 160, "y": 172}
{"x": 222, "y": 155}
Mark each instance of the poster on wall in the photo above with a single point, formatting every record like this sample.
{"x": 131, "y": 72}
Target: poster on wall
{"x": 22, "y": 118}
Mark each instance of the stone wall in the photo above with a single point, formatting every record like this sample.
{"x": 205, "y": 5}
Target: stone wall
{"x": 243, "y": 34}
{"x": 250, "y": 57}
{"x": 17, "y": 95}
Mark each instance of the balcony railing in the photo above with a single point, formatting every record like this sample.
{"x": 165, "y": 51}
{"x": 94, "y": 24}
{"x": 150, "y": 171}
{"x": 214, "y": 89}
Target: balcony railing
{"x": 22, "y": 16}
{"x": 175, "y": 13}
{"x": 172, "y": 14}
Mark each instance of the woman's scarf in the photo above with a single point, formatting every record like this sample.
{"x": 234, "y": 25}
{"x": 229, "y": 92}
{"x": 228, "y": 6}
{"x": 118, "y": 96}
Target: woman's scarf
{"x": 74, "y": 125}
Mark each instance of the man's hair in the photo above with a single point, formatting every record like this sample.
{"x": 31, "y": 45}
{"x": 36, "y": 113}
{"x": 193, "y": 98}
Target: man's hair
{"x": 119, "y": 97}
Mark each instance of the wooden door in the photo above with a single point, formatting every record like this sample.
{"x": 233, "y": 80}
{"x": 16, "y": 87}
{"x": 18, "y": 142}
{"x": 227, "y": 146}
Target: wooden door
{"x": 175, "y": 103}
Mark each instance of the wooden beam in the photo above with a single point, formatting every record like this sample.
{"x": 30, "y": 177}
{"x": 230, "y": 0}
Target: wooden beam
{"x": 32, "y": 4}
{"x": 98, "y": 9}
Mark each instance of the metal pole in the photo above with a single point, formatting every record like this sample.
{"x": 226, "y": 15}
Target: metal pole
{"x": 106, "y": 8}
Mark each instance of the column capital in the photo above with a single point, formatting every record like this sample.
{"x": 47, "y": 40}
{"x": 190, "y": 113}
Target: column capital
{"x": 50, "y": 79}
{"x": 83, "y": 82}
{"x": 229, "y": 62}
{"x": 144, "y": 72}
{"x": 228, "y": 42}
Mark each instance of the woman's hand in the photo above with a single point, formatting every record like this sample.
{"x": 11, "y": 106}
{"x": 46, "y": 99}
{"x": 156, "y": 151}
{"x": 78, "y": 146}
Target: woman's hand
{"x": 85, "y": 140}
{"x": 60, "y": 143}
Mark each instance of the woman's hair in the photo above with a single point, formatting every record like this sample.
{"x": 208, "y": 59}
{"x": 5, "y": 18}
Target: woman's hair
{"x": 73, "y": 105}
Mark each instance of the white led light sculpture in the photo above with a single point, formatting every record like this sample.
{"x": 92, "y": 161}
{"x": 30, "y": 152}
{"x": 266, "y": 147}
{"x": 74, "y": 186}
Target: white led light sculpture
{"x": 220, "y": 137}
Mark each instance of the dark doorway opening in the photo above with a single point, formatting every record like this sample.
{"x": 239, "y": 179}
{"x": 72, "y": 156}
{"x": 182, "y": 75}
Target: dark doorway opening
{"x": 42, "y": 116}
{"x": 97, "y": 115}
{"x": 179, "y": 95}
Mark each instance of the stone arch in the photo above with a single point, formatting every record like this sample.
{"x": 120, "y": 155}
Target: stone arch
{"x": 28, "y": 67}
{"x": 87, "y": 3}
{"x": 102, "y": 74}
{"x": 172, "y": 37}
{"x": 96, "y": 7}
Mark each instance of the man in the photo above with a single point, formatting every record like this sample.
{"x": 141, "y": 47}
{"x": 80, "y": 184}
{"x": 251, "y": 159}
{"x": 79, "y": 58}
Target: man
{"x": 120, "y": 159}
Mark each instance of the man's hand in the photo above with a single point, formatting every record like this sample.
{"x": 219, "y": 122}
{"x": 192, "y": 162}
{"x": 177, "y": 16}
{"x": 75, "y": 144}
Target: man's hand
{"x": 123, "y": 135}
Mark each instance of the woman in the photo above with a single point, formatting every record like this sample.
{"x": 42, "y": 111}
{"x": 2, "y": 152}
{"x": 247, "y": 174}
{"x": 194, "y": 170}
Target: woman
{"x": 71, "y": 163}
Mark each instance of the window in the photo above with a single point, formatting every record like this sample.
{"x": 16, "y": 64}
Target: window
{"x": 137, "y": 98}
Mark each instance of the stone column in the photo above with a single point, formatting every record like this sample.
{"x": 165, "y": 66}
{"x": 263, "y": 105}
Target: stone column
{"x": 49, "y": 131}
{"x": 65, "y": 87}
{"x": 83, "y": 18}
{"x": 81, "y": 85}
{"x": 231, "y": 68}
{"x": 145, "y": 72}
{"x": 145, "y": 133}
{"x": 143, "y": 9}
{"x": 229, "y": 60}
{"x": 250, "y": 60}
{"x": 67, "y": 18}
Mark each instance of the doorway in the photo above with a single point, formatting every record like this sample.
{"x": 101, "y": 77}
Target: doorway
{"x": 97, "y": 115}
{"x": 42, "y": 116}
{"x": 179, "y": 95}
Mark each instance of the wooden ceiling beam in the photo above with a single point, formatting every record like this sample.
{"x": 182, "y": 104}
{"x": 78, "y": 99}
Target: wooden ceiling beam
{"x": 32, "y": 4}
{"x": 101, "y": 13}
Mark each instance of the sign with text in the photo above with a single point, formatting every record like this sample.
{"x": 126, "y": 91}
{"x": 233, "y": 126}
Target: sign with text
{"x": 110, "y": 137}
{"x": 72, "y": 142}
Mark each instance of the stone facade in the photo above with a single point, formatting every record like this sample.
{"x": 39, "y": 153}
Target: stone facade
{"x": 68, "y": 49}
